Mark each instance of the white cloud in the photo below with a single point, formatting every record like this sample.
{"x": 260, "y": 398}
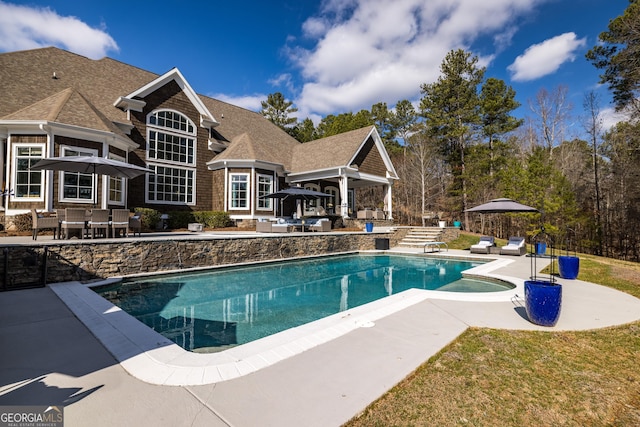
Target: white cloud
{"x": 545, "y": 58}
{"x": 610, "y": 117}
{"x": 283, "y": 80}
{"x": 368, "y": 51}
{"x": 23, "y": 27}
{"x": 250, "y": 102}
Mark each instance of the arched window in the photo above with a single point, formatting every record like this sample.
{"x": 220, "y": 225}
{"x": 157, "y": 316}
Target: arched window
{"x": 171, "y": 137}
{"x": 171, "y": 154}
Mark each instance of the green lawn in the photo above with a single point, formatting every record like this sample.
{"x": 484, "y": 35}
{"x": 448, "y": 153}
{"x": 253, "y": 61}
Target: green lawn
{"x": 490, "y": 377}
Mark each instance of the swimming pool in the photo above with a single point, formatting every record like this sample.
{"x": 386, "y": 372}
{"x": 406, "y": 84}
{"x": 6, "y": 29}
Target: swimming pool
{"x": 215, "y": 310}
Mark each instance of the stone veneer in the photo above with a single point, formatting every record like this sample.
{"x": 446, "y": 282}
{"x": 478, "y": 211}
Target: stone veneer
{"x": 90, "y": 260}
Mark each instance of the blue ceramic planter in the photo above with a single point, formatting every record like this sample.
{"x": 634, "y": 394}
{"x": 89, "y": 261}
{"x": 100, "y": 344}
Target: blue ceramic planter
{"x": 542, "y": 301}
{"x": 568, "y": 266}
{"x": 368, "y": 226}
{"x": 541, "y": 248}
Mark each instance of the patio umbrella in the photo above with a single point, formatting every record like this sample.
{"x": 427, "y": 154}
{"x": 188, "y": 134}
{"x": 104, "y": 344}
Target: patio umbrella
{"x": 91, "y": 164}
{"x": 501, "y": 206}
{"x": 295, "y": 193}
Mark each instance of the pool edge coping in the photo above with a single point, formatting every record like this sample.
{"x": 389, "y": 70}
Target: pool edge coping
{"x": 152, "y": 358}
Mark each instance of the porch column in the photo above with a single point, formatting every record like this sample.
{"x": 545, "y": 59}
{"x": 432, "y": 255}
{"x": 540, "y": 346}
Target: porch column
{"x": 344, "y": 196}
{"x": 388, "y": 202}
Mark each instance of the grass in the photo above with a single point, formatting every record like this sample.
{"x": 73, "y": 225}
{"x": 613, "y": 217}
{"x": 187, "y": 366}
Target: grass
{"x": 490, "y": 377}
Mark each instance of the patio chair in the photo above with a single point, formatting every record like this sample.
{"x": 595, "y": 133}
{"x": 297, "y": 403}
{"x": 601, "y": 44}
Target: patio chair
{"x": 483, "y": 246}
{"x": 323, "y": 224}
{"x": 282, "y": 226}
{"x": 263, "y": 226}
{"x": 515, "y": 246}
{"x": 365, "y": 213}
{"x": 135, "y": 223}
{"x": 119, "y": 221}
{"x": 99, "y": 220}
{"x": 41, "y": 222}
{"x": 74, "y": 219}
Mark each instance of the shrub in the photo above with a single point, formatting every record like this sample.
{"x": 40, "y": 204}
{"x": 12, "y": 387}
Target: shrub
{"x": 150, "y": 218}
{"x": 213, "y": 219}
{"x": 180, "y": 219}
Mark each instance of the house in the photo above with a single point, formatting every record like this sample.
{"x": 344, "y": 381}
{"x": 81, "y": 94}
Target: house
{"x": 205, "y": 154}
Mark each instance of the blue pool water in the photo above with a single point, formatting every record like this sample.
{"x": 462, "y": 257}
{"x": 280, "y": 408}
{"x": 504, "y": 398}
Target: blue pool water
{"x": 214, "y": 310}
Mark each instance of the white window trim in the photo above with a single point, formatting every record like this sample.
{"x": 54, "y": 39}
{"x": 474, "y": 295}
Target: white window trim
{"x": 106, "y": 188}
{"x": 168, "y": 202}
{"x": 14, "y": 171}
{"x": 271, "y": 204}
{"x": 171, "y": 131}
{"x": 230, "y": 191}
{"x": 94, "y": 188}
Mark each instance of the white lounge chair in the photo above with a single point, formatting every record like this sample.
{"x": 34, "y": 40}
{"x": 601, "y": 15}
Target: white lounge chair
{"x": 515, "y": 246}
{"x": 483, "y": 246}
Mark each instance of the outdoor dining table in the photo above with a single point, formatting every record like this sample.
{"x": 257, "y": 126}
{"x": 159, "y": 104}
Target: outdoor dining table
{"x": 60, "y": 214}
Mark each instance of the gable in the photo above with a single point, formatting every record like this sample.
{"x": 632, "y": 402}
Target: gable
{"x": 130, "y": 101}
{"x": 369, "y": 160}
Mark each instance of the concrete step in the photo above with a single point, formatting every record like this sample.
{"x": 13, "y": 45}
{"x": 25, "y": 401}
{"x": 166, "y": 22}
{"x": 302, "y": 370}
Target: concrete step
{"x": 417, "y": 237}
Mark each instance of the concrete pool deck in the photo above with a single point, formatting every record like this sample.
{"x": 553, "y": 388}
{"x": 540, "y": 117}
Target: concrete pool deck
{"x": 49, "y": 356}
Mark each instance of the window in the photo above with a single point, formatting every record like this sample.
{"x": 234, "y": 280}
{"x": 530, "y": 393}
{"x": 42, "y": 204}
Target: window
{"x": 239, "y": 191}
{"x": 265, "y": 186}
{"x": 76, "y": 186}
{"x": 116, "y": 185}
{"x": 28, "y": 183}
{"x": 171, "y": 185}
{"x": 171, "y": 120}
{"x": 171, "y": 138}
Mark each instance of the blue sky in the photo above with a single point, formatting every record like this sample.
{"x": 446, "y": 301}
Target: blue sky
{"x": 330, "y": 56}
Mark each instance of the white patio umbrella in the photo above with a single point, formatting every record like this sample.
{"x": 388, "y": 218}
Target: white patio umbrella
{"x": 92, "y": 165}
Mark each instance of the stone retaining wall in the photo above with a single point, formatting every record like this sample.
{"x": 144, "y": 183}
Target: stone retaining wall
{"x": 90, "y": 260}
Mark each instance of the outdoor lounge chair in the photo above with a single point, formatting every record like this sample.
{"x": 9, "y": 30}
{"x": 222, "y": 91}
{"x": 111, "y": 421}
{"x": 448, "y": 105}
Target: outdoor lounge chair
{"x": 365, "y": 213}
{"x": 263, "y": 226}
{"x": 282, "y": 226}
{"x": 483, "y": 246}
{"x": 515, "y": 246}
{"x": 40, "y": 222}
{"x": 323, "y": 224}
{"x": 99, "y": 220}
{"x": 74, "y": 219}
{"x": 119, "y": 221}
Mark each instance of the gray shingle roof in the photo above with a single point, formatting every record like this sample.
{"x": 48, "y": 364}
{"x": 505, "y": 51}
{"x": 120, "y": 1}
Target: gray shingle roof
{"x": 84, "y": 90}
{"x": 333, "y": 151}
